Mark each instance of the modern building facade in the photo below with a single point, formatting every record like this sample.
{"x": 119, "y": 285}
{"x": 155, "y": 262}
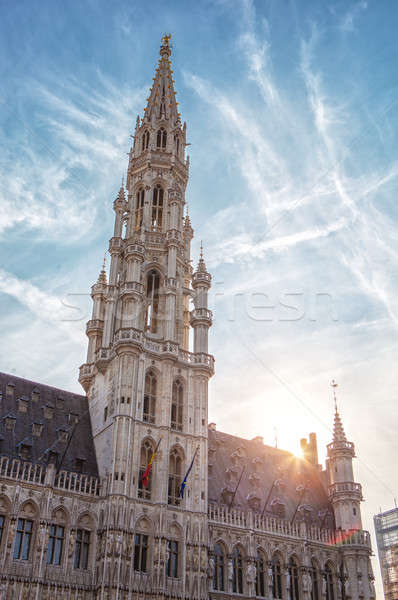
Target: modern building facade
{"x": 386, "y": 527}
{"x": 82, "y": 515}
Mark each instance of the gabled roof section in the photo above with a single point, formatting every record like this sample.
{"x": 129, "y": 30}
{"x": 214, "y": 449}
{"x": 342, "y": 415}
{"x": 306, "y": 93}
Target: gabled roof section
{"x": 36, "y": 422}
{"x": 162, "y": 105}
{"x": 293, "y": 486}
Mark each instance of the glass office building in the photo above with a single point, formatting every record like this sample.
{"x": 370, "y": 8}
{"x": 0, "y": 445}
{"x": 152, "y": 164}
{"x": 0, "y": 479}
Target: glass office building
{"x": 386, "y": 526}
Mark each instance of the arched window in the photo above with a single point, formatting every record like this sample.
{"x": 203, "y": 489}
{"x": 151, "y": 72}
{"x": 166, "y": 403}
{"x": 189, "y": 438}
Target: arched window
{"x": 177, "y": 402}
{"x": 145, "y": 140}
{"x": 314, "y": 574}
{"x": 139, "y": 208}
{"x": 175, "y": 467}
{"x": 150, "y": 397}
{"x": 294, "y": 579}
{"x": 260, "y": 575}
{"x": 161, "y": 138}
{"x": 276, "y": 578}
{"x": 140, "y": 552}
{"x": 152, "y": 295}
{"x": 146, "y": 454}
{"x": 172, "y": 563}
{"x": 157, "y": 208}
{"x": 329, "y": 583}
{"x": 237, "y": 572}
{"x": 219, "y": 568}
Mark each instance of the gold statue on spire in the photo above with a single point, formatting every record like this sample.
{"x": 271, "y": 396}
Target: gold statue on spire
{"x": 166, "y": 40}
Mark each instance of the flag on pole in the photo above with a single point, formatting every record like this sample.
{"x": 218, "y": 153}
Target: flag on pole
{"x": 145, "y": 476}
{"x": 184, "y": 483}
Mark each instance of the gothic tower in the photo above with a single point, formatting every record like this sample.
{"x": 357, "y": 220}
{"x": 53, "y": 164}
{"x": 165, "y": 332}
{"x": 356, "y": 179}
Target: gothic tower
{"x": 146, "y": 389}
{"x": 345, "y": 495}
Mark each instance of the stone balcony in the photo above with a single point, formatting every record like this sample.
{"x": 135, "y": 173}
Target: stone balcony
{"x": 342, "y": 447}
{"x": 38, "y": 474}
{"x": 240, "y": 519}
{"x": 94, "y": 326}
{"x": 344, "y": 488}
{"x": 115, "y": 245}
{"x": 131, "y": 288}
{"x": 200, "y": 277}
{"x": 201, "y": 316}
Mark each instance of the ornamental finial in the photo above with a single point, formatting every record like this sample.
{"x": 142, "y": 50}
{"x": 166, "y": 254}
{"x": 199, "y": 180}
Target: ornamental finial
{"x": 201, "y": 249}
{"x": 334, "y": 385}
{"x": 166, "y": 40}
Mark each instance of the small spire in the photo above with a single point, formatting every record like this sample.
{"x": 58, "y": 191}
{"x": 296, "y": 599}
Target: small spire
{"x": 121, "y": 194}
{"x": 201, "y": 264}
{"x": 338, "y": 429}
{"x": 102, "y": 275}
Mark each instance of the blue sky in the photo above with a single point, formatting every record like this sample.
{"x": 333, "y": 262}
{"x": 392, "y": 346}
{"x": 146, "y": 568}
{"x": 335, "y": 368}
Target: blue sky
{"x": 292, "y": 118}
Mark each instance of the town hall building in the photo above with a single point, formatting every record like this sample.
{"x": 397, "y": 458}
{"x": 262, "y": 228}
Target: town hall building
{"x": 128, "y": 492}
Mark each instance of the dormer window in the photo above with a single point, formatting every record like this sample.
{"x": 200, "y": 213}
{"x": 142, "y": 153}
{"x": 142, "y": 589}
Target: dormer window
{"x": 52, "y": 457}
{"x": 10, "y": 421}
{"x": 73, "y": 418}
{"x": 37, "y": 429}
{"x": 35, "y": 395}
{"x": 23, "y": 405}
{"x": 62, "y": 435}
{"x": 25, "y": 451}
{"x": 48, "y": 411}
{"x": 10, "y": 390}
{"x": 161, "y": 139}
{"x": 79, "y": 464}
{"x": 59, "y": 403}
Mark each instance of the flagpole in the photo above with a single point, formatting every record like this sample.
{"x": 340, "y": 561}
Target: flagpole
{"x": 236, "y": 489}
{"x": 268, "y": 497}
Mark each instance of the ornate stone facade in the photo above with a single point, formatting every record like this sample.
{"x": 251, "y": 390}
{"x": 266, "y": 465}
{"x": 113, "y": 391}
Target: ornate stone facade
{"x": 76, "y": 518}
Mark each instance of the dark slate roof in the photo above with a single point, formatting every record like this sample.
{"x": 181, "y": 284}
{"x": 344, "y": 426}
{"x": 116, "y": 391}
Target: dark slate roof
{"x": 52, "y": 413}
{"x": 261, "y": 465}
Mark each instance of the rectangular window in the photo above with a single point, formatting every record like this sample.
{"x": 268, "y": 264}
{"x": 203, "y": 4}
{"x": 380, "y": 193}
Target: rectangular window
{"x": 82, "y": 549}
{"x": 23, "y": 539}
{"x": 55, "y": 545}
{"x": 140, "y": 552}
{"x": 105, "y": 413}
{"x": 172, "y": 563}
{"x": 2, "y": 521}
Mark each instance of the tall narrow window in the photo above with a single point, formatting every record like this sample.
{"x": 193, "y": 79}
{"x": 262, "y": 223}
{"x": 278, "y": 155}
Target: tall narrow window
{"x": 152, "y": 295}
{"x": 23, "y": 539}
{"x": 146, "y": 454}
{"x": 145, "y": 140}
{"x": 175, "y": 466}
{"x": 260, "y": 575}
{"x": 314, "y": 573}
{"x": 55, "y": 545}
{"x": 140, "y": 552}
{"x": 149, "y": 397}
{"x": 294, "y": 581}
{"x": 237, "y": 572}
{"x": 82, "y": 549}
{"x": 329, "y": 583}
{"x": 139, "y": 209}
{"x": 219, "y": 568}
{"x": 161, "y": 138}
{"x": 2, "y": 521}
{"x": 177, "y": 403}
{"x": 172, "y": 563}
{"x": 177, "y": 143}
{"x": 157, "y": 208}
{"x": 276, "y": 578}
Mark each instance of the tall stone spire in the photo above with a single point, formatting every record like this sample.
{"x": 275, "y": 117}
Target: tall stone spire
{"x": 344, "y": 493}
{"x": 338, "y": 429}
{"x": 161, "y": 103}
